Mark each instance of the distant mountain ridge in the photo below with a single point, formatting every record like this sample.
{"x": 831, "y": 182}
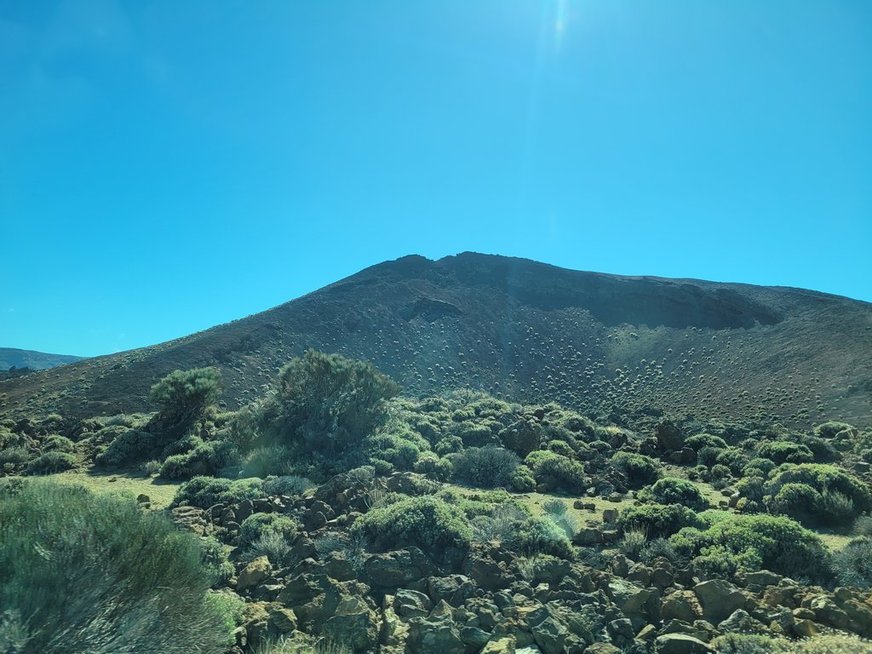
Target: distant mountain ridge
{"x": 526, "y": 331}
{"x": 32, "y": 359}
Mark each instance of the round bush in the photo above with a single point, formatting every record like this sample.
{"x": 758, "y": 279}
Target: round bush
{"x": 205, "y": 492}
{"x": 672, "y": 490}
{"x": 835, "y": 487}
{"x": 775, "y": 543}
{"x": 556, "y": 472}
{"x": 639, "y": 469}
{"x": 785, "y": 452}
{"x": 486, "y": 467}
{"x": 425, "y": 522}
{"x": 658, "y": 520}
{"x": 51, "y": 462}
{"x": 259, "y": 524}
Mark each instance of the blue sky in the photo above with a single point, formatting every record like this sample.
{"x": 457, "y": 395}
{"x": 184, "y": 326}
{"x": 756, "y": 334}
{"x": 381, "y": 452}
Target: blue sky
{"x": 167, "y": 166}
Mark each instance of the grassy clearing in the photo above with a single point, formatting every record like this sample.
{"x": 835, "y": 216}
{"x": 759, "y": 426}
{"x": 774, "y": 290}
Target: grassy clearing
{"x": 160, "y": 492}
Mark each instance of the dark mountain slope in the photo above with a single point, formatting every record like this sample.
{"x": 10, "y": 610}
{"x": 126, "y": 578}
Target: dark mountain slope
{"x": 527, "y": 331}
{"x": 10, "y": 356}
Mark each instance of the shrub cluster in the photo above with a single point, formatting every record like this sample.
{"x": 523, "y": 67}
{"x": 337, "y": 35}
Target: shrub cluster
{"x": 672, "y": 490}
{"x": 658, "y": 520}
{"x": 486, "y": 467}
{"x": 426, "y": 522}
{"x": 555, "y": 472}
{"x": 727, "y": 543}
{"x": 205, "y": 492}
{"x": 640, "y": 470}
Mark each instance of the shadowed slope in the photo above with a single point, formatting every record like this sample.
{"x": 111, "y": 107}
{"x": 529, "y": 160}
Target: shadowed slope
{"x": 527, "y": 331}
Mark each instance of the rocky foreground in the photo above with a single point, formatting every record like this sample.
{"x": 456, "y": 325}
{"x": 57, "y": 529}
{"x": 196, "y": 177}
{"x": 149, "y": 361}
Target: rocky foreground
{"x": 491, "y": 601}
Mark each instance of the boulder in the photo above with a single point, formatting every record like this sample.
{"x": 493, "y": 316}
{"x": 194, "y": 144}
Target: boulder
{"x": 474, "y": 637}
{"x": 504, "y": 645}
{"x": 761, "y": 578}
{"x": 682, "y": 605}
{"x": 454, "y": 589}
{"x": 741, "y": 622}
{"x": 719, "y": 599}
{"x": 353, "y": 623}
{"x": 254, "y": 573}
{"x": 602, "y": 648}
{"x": 411, "y": 603}
{"x": 669, "y": 436}
{"x": 681, "y": 644}
{"x": 436, "y": 634}
{"x": 282, "y": 619}
{"x": 827, "y": 612}
{"x": 621, "y": 632}
{"x": 397, "y": 568}
{"x": 640, "y": 605}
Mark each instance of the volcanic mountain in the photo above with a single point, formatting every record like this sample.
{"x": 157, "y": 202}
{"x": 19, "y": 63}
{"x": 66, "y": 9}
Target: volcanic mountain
{"x": 525, "y": 331}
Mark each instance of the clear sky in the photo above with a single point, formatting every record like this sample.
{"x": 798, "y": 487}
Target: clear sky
{"x": 167, "y": 166}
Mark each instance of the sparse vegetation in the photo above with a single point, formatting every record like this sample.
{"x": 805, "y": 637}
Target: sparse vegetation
{"x": 329, "y": 495}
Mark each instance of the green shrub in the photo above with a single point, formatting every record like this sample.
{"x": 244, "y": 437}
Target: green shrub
{"x": 267, "y": 460}
{"x": 430, "y": 464}
{"x": 561, "y": 447}
{"x": 556, "y": 472}
{"x": 93, "y": 573}
{"x": 51, "y": 462}
{"x": 799, "y": 501}
{"x": 708, "y": 456}
{"x": 522, "y": 480}
{"x": 853, "y": 563}
{"x": 732, "y": 458}
{"x": 822, "y": 450}
{"x": 785, "y": 452}
{"x": 15, "y": 456}
{"x": 633, "y": 542}
{"x": 425, "y": 522}
{"x": 540, "y": 535}
{"x": 750, "y": 644}
{"x": 400, "y": 451}
{"x": 183, "y": 395}
{"x": 486, "y": 467}
{"x": 206, "y": 459}
{"x": 758, "y": 467}
{"x": 658, "y": 520}
{"x": 639, "y": 469}
{"x": 205, "y": 492}
{"x": 775, "y": 543}
{"x": 129, "y": 446}
{"x": 831, "y": 644}
{"x": 700, "y": 441}
{"x": 449, "y": 445}
{"x": 286, "y": 485}
{"x": 672, "y": 490}
{"x": 839, "y": 487}
{"x": 58, "y": 444}
{"x": 259, "y": 524}
{"x": 831, "y": 428}
{"x": 326, "y": 403}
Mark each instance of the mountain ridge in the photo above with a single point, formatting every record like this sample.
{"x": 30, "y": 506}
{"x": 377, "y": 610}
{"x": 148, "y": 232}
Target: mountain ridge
{"x": 33, "y": 359}
{"x": 526, "y": 331}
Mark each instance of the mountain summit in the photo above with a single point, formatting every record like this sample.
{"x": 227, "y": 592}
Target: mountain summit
{"x": 525, "y": 331}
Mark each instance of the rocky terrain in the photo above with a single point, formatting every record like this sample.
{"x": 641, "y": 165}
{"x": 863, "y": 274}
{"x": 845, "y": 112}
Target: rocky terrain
{"x": 333, "y": 515}
{"x": 525, "y": 331}
{"x": 476, "y": 455}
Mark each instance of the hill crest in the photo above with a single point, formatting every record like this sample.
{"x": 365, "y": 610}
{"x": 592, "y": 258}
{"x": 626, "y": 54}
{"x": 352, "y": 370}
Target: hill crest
{"x": 526, "y": 331}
